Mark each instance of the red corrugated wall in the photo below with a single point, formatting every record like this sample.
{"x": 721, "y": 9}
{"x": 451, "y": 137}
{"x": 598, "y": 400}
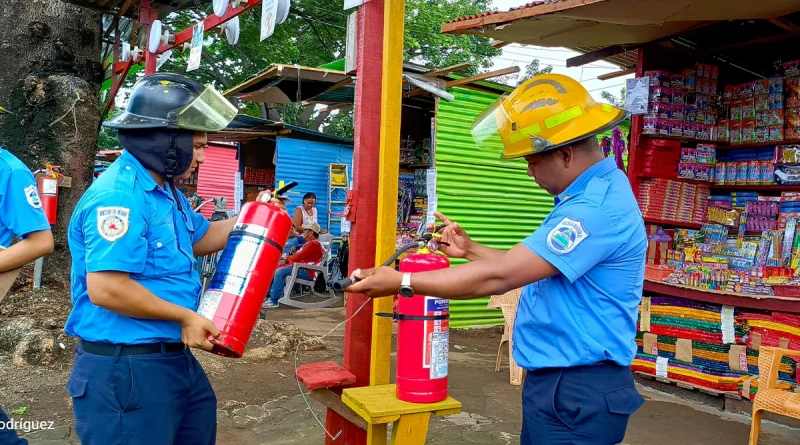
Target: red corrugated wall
{"x": 217, "y": 176}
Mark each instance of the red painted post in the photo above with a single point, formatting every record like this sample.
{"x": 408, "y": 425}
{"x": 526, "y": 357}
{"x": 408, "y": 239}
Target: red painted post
{"x": 147, "y": 16}
{"x": 366, "y": 166}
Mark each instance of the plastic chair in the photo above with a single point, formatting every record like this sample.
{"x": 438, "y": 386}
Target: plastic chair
{"x": 320, "y": 267}
{"x": 769, "y": 397}
{"x": 508, "y": 303}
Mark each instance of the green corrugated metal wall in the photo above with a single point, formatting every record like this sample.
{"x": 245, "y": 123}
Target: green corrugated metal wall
{"x": 493, "y": 200}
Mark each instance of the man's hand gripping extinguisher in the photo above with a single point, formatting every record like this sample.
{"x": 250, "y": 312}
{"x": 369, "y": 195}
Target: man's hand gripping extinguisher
{"x": 423, "y": 327}
{"x": 244, "y": 273}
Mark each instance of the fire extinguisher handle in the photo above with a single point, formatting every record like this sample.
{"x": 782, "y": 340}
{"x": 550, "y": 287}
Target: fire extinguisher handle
{"x": 285, "y": 188}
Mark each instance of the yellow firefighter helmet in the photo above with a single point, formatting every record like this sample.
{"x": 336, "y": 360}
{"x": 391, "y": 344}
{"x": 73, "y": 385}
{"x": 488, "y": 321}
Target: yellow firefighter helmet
{"x": 546, "y": 112}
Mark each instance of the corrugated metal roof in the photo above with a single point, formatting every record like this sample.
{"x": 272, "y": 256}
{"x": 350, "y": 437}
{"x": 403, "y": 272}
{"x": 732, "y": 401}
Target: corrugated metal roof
{"x": 494, "y": 200}
{"x": 307, "y": 163}
{"x": 488, "y": 13}
{"x": 625, "y": 60}
{"x": 216, "y": 178}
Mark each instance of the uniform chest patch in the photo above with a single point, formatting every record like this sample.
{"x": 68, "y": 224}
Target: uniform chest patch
{"x": 32, "y": 195}
{"x": 566, "y": 236}
{"x": 112, "y": 222}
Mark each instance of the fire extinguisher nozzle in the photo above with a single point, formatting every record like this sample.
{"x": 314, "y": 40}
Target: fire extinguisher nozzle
{"x": 340, "y": 285}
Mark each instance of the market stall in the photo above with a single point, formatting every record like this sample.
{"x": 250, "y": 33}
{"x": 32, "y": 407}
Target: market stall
{"x": 715, "y": 170}
{"x": 714, "y": 166}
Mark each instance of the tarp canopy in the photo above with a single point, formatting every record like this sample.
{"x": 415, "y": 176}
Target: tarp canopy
{"x": 592, "y": 23}
{"x": 280, "y": 84}
{"x": 283, "y": 84}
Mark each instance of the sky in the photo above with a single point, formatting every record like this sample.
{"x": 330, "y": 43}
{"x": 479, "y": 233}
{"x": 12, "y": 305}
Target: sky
{"x": 522, "y": 55}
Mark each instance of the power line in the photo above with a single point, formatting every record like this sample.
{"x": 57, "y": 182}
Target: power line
{"x": 607, "y": 87}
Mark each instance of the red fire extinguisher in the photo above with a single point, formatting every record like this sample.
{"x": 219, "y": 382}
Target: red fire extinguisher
{"x": 423, "y": 336}
{"x": 244, "y": 273}
{"x": 423, "y": 328}
{"x": 47, "y": 184}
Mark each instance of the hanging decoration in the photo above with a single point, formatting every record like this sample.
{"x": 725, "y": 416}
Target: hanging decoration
{"x": 618, "y": 147}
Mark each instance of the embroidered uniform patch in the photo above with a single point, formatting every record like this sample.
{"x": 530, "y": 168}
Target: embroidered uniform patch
{"x": 112, "y": 222}
{"x": 566, "y": 236}
{"x": 32, "y": 195}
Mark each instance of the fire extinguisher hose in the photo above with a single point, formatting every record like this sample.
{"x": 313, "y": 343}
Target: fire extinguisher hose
{"x": 338, "y": 286}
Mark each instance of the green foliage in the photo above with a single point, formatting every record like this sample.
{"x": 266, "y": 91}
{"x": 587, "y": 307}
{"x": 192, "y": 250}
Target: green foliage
{"x": 20, "y": 411}
{"x": 315, "y": 34}
{"x": 341, "y": 124}
{"x": 426, "y": 44}
{"x": 614, "y": 100}
{"x": 533, "y": 69}
{"x": 107, "y": 138}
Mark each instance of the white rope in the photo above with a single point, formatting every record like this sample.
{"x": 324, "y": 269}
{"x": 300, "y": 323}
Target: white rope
{"x": 295, "y": 369}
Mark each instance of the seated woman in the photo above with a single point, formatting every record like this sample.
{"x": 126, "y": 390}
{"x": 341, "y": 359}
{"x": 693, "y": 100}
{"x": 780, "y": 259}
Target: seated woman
{"x": 311, "y": 252}
{"x": 305, "y": 214}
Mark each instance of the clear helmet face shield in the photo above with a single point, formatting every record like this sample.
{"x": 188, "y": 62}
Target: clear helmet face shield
{"x": 210, "y": 112}
{"x": 494, "y": 131}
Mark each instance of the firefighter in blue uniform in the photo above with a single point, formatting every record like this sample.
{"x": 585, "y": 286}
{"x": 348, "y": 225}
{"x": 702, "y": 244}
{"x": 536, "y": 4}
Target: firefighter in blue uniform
{"x": 21, "y": 215}
{"x": 134, "y": 239}
{"x": 582, "y": 270}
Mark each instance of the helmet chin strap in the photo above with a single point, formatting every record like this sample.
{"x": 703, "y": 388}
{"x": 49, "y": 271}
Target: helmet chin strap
{"x": 171, "y": 164}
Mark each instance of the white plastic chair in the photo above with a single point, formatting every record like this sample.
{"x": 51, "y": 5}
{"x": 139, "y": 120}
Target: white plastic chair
{"x": 297, "y": 300}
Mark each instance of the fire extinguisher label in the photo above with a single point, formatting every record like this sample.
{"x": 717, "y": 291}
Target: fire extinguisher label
{"x": 49, "y": 187}
{"x": 209, "y": 304}
{"x": 238, "y": 259}
{"x": 437, "y": 337}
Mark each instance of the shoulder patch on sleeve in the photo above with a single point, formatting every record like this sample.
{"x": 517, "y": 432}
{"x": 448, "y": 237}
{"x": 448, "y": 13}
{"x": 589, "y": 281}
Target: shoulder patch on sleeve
{"x": 566, "y": 236}
{"x": 32, "y": 195}
{"x": 112, "y": 222}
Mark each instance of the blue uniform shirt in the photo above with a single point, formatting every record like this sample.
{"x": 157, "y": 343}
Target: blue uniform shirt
{"x": 20, "y": 206}
{"x": 126, "y": 222}
{"x": 587, "y": 313}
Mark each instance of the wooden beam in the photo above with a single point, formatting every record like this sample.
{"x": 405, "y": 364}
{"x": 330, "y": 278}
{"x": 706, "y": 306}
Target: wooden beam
{"x": 535, "y": 10}
{"x": 483, "y": 76}
{"x": 475, "y": 78}
{"x": 337, "y": 85}
{"x": 449, "y": 69}
{"x": 785, "y": 24}
{"x": 594, "y": 56}
{"x": 617, "y": 74}
{"x": 334, "y": 403}
{"x": 500, "y": 44}
{"x": 122, "y": 10}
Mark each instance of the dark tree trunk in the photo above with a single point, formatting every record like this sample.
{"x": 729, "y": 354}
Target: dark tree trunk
{"x": 50, "y": 78}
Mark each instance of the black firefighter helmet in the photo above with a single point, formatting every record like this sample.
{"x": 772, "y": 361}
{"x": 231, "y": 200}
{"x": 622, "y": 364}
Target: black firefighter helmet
{"x": 171, "y": 101}
{"x": 163, "y": 113}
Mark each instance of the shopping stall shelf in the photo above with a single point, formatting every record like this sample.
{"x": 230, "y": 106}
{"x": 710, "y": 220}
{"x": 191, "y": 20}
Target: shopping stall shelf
{"x": 773, "y": 188}
{"x": 672, "y": 223}
{"x": 762, "y": 302}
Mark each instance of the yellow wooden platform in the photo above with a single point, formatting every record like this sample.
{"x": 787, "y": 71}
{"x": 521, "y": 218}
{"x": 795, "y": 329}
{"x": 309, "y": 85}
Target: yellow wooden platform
{"x": 379, "y": 406}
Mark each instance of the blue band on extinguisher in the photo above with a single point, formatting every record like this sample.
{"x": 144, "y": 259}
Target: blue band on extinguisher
{"x": 258, "y": 237}
{"x": 415, "y": 317}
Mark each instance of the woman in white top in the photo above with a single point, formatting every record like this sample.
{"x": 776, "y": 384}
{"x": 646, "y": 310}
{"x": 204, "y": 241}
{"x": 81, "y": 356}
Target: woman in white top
{"x": 304, "y": 214}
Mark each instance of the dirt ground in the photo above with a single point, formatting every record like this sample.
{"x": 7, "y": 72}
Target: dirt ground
{"x": 262, "y": 404}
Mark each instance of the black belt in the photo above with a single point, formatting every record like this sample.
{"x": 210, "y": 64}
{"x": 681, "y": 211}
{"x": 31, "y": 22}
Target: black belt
{"x": 111, "y": 349}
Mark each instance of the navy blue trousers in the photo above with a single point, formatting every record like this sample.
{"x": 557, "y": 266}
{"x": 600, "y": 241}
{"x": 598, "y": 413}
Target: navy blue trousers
{"x": 7, "y": 434}
{"x": 588, "y": 405}
{"x": 149, "y": 399}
